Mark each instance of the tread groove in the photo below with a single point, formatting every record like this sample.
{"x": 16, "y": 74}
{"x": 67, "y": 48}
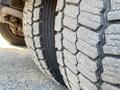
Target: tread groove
{"x": 102, "y": 42}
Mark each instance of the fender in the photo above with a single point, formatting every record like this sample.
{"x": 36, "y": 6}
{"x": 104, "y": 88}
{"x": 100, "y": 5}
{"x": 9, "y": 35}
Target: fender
{"x": 16, "y": 4}
{"x": 5, "y": 2}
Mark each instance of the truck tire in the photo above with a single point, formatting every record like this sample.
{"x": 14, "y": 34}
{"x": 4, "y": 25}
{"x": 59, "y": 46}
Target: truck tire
{"x": 10, "y": 37}
{"x": 76, "y": 42}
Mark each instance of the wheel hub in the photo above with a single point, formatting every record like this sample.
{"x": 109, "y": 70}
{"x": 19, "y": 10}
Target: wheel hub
{"x": 15, "y": 26}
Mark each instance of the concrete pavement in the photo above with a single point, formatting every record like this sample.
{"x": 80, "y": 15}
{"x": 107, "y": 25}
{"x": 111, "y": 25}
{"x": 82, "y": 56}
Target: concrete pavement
{"x": 18, "y": 71}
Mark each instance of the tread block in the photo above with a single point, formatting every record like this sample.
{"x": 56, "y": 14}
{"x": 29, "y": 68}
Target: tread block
{"x": 62, "y": 70}
{"x": 111, "y": 68}
{"x": 91, "y": 17}
{"x": 58, "y": 21}
{"x": 112, "y": 34}
{"x": 60, "y": 5}
{"x": 115, "y": 5}
{"x": 87, "y": 67}
{"x": 87, "y": 42}
{"x": 36, "y": 28}
{"x": 71, "y": 11}
{"x": 75, "y": 86}
{"x": 70, "y": 22}
{"x": 70, "y": 61}
{"x": 86, "y": 84}
{"x": 29, "y": 42}
{"x": 48, "y": 73}
{"x": 114, "y": 13}
{"x": 37, "y": 3}
{"x": 93, "y": 3}
{"x": 43, "y": 64}
{"x": 71, "y": 76}
{"x": 106, "y": 86}
{"x": 37, "y": 42}
{"x": 58, "y": 38}
{"x": 90, "y": 13}
{"x": 69, "y": 46}
{"x": 69, "y": 35}
{"x": 35, "y": 59}
{"x": 73, "y": 1}
{"x": 60, "y": 58}
{"x": 89, "y": 20}
{"x": 92, "y": 6}
{"x": 40, "y": 54}
{"x": 117, "y": 1}
{"x": 34, "y": 55}
{"x": 36, "y": 16}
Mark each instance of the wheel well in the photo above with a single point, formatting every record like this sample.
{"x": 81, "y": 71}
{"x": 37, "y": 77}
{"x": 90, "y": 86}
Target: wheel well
{"x": 17, "y": 4}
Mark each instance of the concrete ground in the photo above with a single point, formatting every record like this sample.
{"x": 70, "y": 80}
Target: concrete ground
{"x": 18, "y": 71}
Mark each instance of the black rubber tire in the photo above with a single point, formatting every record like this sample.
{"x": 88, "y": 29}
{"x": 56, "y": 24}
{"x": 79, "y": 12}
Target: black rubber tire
{"x": 11, "y": 38}
{"x": 48, "y": 59}
{"x": 76, "y": 42}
